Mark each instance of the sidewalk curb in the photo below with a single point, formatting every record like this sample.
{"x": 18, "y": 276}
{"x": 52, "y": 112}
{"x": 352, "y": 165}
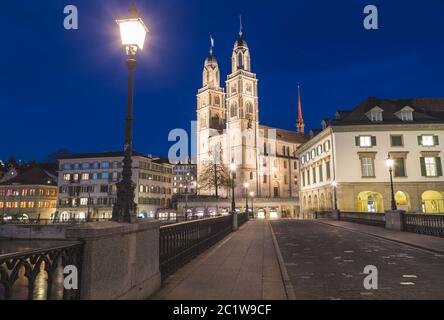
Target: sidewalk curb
{"x": 289, "y": 290}
{"x": 384, "y": 238}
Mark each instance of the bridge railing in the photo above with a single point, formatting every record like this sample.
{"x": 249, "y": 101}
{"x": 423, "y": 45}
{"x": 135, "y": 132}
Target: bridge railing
{"x": 181, "y": 242}
{"x": 428, "y": 224}
{"x": 374, "y": 219}
{"x": 39, "y": 274}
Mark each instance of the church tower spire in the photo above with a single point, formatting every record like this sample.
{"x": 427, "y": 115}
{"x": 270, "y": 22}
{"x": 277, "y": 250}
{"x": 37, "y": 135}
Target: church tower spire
{"x": 300, "y": 126}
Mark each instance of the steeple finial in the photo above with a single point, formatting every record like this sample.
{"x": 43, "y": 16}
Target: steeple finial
{"x": 300, "y": 126}
{"x": 240, "y": 24}
{"x": 211, "y": 44}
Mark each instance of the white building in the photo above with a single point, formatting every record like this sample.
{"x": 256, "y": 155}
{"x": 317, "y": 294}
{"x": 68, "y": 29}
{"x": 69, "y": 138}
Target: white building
{"x": 351, "y": 150}
{"x": 87, "y": 183}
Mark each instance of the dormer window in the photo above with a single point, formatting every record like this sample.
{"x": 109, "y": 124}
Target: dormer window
{"x": 405, "y": 114}
{"x": 375, "y": 114}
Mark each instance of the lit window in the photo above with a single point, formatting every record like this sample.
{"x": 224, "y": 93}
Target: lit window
{"x": 406, "y": 116}
{"x": 430, "y": 166}
{"x": 83, "y": 201}
{"x": 367, "y": 167}
{"x": 365, "y": 141}
{"x": 85, "y": 176}
{"x": 66, "y": 177}
{"x": 428, "y": 141}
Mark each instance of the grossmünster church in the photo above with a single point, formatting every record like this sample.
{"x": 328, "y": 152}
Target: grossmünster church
{"x": 229, "y": 131}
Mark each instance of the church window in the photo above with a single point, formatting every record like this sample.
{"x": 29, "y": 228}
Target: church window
{"x": 249, "y": 107}
{"x": 233, "y": 109}
{"x": 239, "y": 61}
{"x": 217, "y": 101}
{"x": 249, "y": 88}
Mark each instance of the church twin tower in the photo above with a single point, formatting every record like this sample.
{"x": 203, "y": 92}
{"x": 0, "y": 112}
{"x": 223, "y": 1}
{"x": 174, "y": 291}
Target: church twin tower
{"x": 228, "y": 122}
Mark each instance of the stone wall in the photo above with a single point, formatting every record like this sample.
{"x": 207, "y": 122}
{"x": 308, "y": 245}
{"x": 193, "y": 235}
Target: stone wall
{"x": 47, "y": 232}
{"x": 120, "y": 260}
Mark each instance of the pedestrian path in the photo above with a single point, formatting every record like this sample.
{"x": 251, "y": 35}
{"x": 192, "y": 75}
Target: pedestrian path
{"x": 243, "y": 266}
{"x": 435, "y": 244}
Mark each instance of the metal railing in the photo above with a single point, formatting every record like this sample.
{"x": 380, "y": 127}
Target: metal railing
{"x": 49, "y": 221}
{"x": 38, "y": 274}
{"x": 181, "y": 242}
{"x": 373, "y": 219}
{"x": 428, "y": 224}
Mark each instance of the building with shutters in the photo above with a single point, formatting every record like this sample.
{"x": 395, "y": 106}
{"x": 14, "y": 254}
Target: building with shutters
{"x": 351, "y": 149}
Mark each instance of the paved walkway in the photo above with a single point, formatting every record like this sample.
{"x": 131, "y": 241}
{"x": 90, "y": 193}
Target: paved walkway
{"x": 326, "y": 262}
{"x": 435, "y": 244}
{"x": 242, "y": 266}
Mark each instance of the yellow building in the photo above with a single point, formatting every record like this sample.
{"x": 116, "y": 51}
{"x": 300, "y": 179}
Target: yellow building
{"x": 30, "y": 195}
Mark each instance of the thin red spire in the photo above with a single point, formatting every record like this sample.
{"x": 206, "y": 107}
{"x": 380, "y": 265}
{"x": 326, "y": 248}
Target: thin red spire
{"x": 300, "y": 124}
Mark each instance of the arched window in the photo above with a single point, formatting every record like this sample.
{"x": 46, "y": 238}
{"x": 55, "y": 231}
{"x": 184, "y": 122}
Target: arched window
{"x": 240, "y": 64}
{"x": 249, "y": 107}
{"x": 233, "y": 109}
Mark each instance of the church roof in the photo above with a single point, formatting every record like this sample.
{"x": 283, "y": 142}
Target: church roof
{"x": 285, "y": 135}
{"x": 240, "y": 42}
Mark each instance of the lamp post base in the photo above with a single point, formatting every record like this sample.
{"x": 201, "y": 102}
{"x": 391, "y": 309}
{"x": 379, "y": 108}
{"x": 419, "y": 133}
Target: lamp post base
{"x": 125, "y": 209}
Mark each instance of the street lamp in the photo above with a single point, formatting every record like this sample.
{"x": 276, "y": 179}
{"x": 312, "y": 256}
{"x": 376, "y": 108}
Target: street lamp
{"x": 132, "y": 32}
{"x": 335, "y": 184}
{"x": 389, "y": 162}
{"x": 233, "y": 203}
{"x": 246, "y": 186}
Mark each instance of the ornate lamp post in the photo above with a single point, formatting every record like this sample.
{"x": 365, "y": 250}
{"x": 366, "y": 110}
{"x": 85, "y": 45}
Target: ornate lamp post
{"x": 335, "y": 184}
{"x": 246, "y": 186}
{"x": 133, "y": 32}
{"x": 389, "y": 162}
{"x": 233, "y": 203}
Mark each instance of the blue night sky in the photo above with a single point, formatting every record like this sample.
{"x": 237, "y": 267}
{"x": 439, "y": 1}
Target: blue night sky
{"x": 67, "y": 89}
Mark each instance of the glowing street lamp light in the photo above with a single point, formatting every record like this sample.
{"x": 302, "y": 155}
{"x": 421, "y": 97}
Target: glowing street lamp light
{"x": 133, "y": 32}
{"x": 233, "y": 202}
{"x": 252, "y": 207}
{"x": 390, "y": 163}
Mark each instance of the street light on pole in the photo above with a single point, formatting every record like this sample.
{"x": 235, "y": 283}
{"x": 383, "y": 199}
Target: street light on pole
{"x": 252, "y": 207}
{"x": 335, "y": 184}
{"x": 246, "y": 186}
{"x": 389, "y": 162}
{"x": 233, "y": 203}
{"x": 133, "y": 32}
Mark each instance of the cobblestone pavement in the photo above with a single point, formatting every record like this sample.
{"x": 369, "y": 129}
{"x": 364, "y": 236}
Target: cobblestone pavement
{"x": 327, "y": 262}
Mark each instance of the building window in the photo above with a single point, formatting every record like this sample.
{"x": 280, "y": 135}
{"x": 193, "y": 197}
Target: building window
{"x": 251, "y": 175}
{"x": 83, "y": 201}
{"x": 321, "y": 173}
{"x": 295, "y": 165}
{"x": 285, "y": 179}
{"x": 308, "y": 178}
{"x": 66, "y": 177}
{"x": 365, "y": 141}
{"x": 319, "y": 150}
{"x": 85, "y": 176}
{"x": 105, "y": 175}
{"x": 428, "y": 141}
{"x": 105, "y": 165}
{"x": 406, "y": 116}
{"x": 367, "y": 167}
{"x": 327, "y": 145}
{"x": 303, "y": 178}
{"x": 396, "y": 141}
{"x": 399, "y": 167}
{"x": 66, "y": 166}
{"x": 431, "y": 166}
{"x": 85, "y": 166}
{"x": 314, "y": 174}
{"x": 327, "y": 168}
{"x": 285, "y": 164}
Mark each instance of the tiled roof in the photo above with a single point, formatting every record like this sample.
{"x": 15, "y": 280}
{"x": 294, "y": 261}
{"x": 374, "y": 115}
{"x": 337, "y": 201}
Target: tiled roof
{"x": 34, "y": 176}
{"x": 285, "y": 135}
{"x": 426, "y": 110}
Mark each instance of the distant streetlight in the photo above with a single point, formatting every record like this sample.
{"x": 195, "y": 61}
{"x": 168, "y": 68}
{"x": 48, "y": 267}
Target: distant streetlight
{"x": 246, "y": 186}
{"x": 133, "y": 32}
{"x": 335, "y": 184}
{"x": 389, "y": 162}
{"x": 233, "y": 203}
{"x": 252, "y": 207}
